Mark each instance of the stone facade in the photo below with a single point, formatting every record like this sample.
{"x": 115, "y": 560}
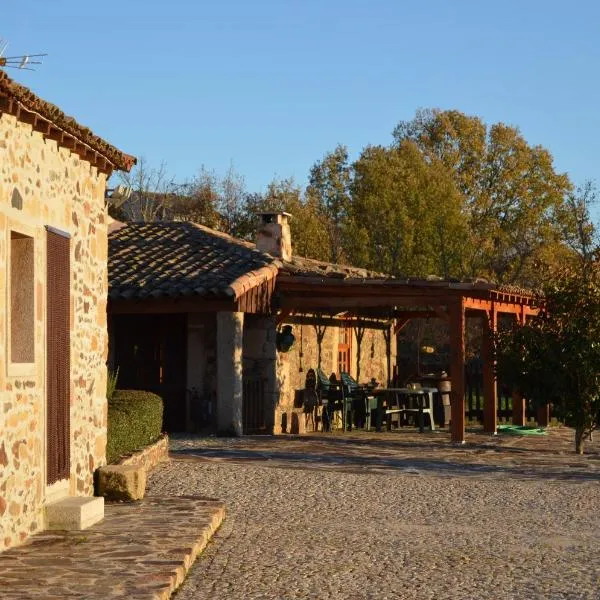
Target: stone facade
{"x": 42, "y": 184}
{"x": 230, "y": 331}
{"x": 263, "y": 362}
{"x": 373, "y": 360}
{"x": 293, "y": 365}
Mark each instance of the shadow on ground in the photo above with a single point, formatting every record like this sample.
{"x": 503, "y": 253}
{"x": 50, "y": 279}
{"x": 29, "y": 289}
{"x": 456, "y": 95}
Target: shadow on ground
{"x": 419, "y": 454}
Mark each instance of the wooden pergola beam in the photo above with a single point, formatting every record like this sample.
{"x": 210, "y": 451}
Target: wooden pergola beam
{"x": 333, "y": 321}
{"x": 335, "y": 303}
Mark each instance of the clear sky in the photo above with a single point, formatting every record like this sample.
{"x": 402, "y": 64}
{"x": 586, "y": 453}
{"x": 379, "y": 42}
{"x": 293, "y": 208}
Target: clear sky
{"x": 272, "y": 85}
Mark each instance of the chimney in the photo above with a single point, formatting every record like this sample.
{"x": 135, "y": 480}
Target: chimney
{"x": 274, "y": 236}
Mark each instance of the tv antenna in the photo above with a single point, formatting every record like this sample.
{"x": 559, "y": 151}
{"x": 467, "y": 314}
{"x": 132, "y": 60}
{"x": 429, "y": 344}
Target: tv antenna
{"x": 19, "y": 62}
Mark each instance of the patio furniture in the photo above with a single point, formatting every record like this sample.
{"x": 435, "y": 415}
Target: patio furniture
{"x": 322, "y": 381}
{"x": 358, "y": 398}
{"x": 336, "y": 401}
{"x": 310, "y": 400}
{"x": 406, "y": 401}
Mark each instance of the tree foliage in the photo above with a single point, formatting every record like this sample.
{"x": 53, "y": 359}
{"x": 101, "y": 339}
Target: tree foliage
{"x": 197, "y": 201}
{"x": 328, "y": 193}
{"x": 512, "y": 196}
{"x": 405, "y": 216}
{"x": 555, "y": 356}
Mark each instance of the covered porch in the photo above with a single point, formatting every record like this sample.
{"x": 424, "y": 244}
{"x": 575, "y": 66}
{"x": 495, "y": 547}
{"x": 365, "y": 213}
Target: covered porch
{"x": 391, "y": 304}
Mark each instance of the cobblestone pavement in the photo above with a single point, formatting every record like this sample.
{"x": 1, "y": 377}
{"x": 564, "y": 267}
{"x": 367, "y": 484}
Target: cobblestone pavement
{"x": 140, "y": 551}
{"x": 393, "y": 515}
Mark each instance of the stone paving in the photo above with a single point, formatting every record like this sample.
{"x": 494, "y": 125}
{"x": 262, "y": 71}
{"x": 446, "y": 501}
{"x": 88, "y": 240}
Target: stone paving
{"x": 140, "y": 551}
{"x": 393, "y": 515}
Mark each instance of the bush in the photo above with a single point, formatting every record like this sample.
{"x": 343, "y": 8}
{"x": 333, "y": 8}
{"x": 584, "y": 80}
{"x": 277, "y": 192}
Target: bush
{"x": 134, "y": 421}
{"x": 111, "y": 383}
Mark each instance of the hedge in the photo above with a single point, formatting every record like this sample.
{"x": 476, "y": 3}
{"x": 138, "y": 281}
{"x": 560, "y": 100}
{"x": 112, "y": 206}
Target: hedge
{"x": 134, "y": 421}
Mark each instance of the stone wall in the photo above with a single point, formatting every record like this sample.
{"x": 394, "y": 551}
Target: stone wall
{"x": 305, "y": 355}
{"x": 202, "y": 370}
{"x": 150, "y": 456}
{"x": 262, "y": 362}
{"x": 42, "y": 184}
{"x": 373, "y": 361}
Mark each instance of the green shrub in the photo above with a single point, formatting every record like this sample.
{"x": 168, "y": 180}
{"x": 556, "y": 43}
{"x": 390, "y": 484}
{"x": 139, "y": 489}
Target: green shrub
{"x": 111, "y": 382}
{"x": 134, "y": 421}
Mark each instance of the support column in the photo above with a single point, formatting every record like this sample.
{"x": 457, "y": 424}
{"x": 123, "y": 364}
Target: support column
{"x": 387, "y": 336}
{"x": 457, "y": 370}
{"x": 543, "y": 415}
{"x": 230, "y": 331}
{"x": 518, "y": 408}
{"x": 518, "y": 402}
{"x": 490, "y": 389}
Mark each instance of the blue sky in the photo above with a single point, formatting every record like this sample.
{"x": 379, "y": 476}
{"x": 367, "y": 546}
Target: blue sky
{"x": 272, "y": 85}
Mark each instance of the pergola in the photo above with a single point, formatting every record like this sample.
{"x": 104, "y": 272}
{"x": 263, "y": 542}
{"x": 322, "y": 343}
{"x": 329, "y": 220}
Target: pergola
{"x": 369, "y": 302}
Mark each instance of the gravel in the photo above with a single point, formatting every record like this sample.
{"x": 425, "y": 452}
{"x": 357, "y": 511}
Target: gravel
{"x": 305, "y": 530}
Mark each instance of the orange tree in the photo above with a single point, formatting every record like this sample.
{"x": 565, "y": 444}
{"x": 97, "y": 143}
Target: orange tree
{"x": 555, "y": 357}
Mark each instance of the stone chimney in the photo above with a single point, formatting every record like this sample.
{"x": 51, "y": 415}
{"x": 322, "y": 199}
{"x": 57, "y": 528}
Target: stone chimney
{"x": 274, "y": 236}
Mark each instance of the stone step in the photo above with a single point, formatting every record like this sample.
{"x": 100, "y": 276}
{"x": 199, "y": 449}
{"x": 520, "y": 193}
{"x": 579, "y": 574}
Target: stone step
{"x": 74, "y": 513}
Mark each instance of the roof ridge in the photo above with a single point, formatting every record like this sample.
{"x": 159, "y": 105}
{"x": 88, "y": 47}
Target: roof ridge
{"x": 51, "y": 113}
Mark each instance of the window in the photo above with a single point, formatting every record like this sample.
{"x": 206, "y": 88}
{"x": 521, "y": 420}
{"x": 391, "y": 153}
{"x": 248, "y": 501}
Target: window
{"x": 22, "y": 348}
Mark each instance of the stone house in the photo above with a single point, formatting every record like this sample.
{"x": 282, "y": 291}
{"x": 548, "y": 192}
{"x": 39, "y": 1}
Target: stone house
{"x": 193, "y": 316}
{"x": 53, "y": 281}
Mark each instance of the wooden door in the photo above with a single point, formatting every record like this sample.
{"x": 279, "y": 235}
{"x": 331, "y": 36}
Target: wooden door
{"x": 58, "y": 346}
{"x": 151, "y": 354}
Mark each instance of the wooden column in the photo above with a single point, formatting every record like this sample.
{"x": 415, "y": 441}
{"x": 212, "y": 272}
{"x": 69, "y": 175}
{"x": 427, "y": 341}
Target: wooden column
{"x": 387, "y": 335}
{"x": 518, "y": 402}
{"x": 457, "y": 370}
{"x": 490, "y": 390}
{"x": 543, "y": 415}
{"x": 360, "y": 334}
{"x": 320, "y": 331}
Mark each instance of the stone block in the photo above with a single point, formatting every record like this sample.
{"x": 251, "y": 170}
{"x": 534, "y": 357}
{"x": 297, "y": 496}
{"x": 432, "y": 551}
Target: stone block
{"x": 122, "y": 482}
{"x": 74, "y": 513}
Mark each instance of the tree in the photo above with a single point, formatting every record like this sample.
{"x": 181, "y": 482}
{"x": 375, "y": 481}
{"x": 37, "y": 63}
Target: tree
{"x": 152, "y": 189}
{"x": 197, "y": 201}
{"x": 579, "y": 231}
{"x": 405, "y": 216}
{"x": 230, "y": 204}
{"x": 512, "y": 196}
{"x": 555, "y": 357}
{"x": 329, "y": 192}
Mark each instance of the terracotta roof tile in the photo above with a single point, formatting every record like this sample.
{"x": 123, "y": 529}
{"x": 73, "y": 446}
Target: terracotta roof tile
{"x": 311, "y": 267}
{"x": 182, "y": 259}
{"x": 17, "y": 96}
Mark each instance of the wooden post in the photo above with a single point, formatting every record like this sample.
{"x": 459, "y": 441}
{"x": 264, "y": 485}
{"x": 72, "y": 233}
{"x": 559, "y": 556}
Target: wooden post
{"x": 490, "y": 389}
{"x": 457, "y": 370}
{"x": 518, "y": 402}
{"x": 543, "y": 415}
{"x": 387, "y": 335}
{"x": 360, "y": 334}
{"x": 320, "y": 331}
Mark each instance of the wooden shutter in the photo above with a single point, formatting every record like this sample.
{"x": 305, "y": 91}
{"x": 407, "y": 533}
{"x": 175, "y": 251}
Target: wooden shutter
{"x": 58, "y": 346}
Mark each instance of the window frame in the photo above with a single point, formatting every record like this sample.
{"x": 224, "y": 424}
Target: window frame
{"x": 19, "y": 369}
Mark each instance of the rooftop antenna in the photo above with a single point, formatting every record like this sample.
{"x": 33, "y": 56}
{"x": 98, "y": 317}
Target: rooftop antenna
{"x": 18, "y": 62}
